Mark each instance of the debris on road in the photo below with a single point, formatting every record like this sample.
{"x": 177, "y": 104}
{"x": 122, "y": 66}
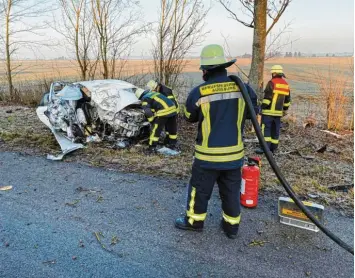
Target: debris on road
{"x": 50, "y": 262}
{"x": 114, "y": 240}
{"x": 255, "y": 242}
{"x": 73, "y": 204}
{"x": 81, "y": 243}
{"x": 97, "y": 235}
{"x": 168, "y": 151}
{"x": 5, "y": 188}
{"x": 82, "y": 189}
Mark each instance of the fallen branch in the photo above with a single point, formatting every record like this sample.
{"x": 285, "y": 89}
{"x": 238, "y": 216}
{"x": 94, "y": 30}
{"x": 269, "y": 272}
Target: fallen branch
{"x": 73, "y": 204}
{"x": 332, "y": 133}
{"x": 97, "y": 235}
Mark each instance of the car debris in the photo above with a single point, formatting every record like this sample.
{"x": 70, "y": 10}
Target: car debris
{"x": 93, "y": 111}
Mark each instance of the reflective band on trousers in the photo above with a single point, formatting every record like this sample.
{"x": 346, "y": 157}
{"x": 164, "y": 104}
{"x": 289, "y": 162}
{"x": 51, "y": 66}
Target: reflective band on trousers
{"x": 273, "y": 141}
{"x": 191, "y": 212}
{"x": 219, "y": 158}
{"x": 231, "y": 220}
{"x": 232, "y": 95}
{"x": 276, "y": 113}
{"x": 152, "y": 138}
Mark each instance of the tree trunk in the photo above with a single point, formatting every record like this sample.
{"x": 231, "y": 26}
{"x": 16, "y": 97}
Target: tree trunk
{"x": 8, "y": 52}
{"x": 256, "y": 74}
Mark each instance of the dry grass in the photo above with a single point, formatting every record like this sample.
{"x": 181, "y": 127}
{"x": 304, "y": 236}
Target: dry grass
{"x": 334, "y": 92}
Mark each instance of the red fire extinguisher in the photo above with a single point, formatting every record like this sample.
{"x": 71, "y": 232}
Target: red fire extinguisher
{"x": 250, "y": 183}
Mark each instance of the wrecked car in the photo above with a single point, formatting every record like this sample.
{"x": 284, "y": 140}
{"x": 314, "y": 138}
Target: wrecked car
{"x": 92, "y": 111}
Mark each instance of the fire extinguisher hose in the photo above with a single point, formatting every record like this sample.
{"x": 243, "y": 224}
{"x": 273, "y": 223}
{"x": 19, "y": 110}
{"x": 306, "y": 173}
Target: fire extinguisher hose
{"x": 278, "y": 172}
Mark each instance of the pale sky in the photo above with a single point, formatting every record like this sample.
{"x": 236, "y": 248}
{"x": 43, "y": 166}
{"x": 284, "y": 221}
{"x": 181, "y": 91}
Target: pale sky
{"x": 319, "y": 26}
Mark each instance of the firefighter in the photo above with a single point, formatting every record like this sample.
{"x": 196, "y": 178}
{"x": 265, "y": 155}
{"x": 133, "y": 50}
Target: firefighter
{"x": 154, "y": 86}
{"x": 161, "y": 112}
{"x": 219, "y": 108}
{"x": 277, "y": 100}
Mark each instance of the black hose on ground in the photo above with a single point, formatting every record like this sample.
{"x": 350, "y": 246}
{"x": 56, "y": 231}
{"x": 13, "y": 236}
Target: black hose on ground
{"x": 277, "y": 170}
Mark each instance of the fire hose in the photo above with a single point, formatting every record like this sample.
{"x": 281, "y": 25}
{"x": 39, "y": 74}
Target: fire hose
{"x": 278, "y": 172}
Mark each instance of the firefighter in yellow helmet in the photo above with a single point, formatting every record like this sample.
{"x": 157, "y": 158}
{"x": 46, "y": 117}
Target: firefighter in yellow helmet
{"x": 160, "y": 112}
{"x": 277, "y": 100}
{"x": 219, "y": 108}
{"x": 171, "y": 138}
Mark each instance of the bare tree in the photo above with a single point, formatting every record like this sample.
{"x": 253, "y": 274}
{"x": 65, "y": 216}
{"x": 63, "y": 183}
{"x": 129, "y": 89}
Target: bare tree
{"x": 16, "y": 25}
{"x": 257, "y": 12}
{"x": 180, "y": 28}
{"x": 78, "y": 28}
{"x": 277, "y": 41}
{"x": 118, "y": 27}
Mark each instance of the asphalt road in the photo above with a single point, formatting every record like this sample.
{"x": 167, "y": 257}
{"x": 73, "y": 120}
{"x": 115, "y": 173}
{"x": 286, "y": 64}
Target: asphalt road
{"x": 48, "y": 221}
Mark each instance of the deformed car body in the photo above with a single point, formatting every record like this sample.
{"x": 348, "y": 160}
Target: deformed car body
{"x": 93, "y": 111}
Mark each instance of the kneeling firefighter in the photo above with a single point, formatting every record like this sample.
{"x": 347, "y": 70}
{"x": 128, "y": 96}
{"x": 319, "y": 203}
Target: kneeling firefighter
{"x": 219, "y": 107}
{"x": 155, "y": 86}
{"x": 161, "y": 112}
{"x": 277, "y": 100}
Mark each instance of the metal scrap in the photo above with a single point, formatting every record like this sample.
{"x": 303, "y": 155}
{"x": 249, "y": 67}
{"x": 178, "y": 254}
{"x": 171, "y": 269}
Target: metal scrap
{"x": 5, "y": 188}
{"x": 92, "y": 111}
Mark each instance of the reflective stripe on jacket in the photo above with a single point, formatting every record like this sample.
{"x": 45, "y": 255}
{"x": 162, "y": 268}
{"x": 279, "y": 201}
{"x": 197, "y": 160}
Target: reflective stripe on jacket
{"x": 168, "y": 92}
{"x": 219, "y": 108}
{"x": 157, "y": 105}
{"x": 277, "y": 97}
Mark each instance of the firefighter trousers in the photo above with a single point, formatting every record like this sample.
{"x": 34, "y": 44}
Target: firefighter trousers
{"x": 159, "y": 123}
{"x": 199, "y": 193}
{"x": 171, "y": 131}
{"x": 270, "y": 126}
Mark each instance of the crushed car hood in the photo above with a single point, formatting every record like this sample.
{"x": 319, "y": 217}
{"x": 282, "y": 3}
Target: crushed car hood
{"x": 110, "y": 96}
{"x": 88, "y": 110}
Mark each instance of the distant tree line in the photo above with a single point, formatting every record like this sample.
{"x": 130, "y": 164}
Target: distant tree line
{"x": 296, "y": 54}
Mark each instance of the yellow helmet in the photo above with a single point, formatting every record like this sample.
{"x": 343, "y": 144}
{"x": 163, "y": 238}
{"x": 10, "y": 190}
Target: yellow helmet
{"x": 277, "y": 69}
{"x": 152, "y": 85}
{"x": 212, "y": 56}
{"x": 139, "y": 93}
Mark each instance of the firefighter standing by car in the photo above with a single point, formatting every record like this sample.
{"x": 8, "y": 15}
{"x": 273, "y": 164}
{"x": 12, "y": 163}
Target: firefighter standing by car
{"x": 161, "y": 112}
{"x": 154, "y": 86}
{"x": 277, "y": 100}
{"x": 219, "y": 108}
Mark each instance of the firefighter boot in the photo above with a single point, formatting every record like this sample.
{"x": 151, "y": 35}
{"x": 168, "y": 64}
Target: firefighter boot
{"x": 183, "y": 224}
{"x": 231, "y": 232}
{"x": 259, "y": 151}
